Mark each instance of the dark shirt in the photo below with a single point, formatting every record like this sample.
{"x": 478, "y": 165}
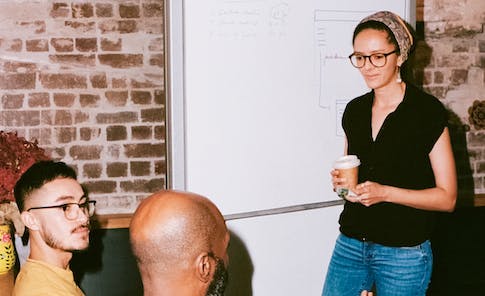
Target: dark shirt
{"x": 398, "y": 157}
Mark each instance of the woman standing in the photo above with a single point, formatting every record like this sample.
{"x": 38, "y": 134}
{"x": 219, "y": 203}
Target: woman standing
{"x": 407, "y": 171}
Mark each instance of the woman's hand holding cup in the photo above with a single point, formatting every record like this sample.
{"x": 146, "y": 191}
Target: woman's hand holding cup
{"x": 345, "y": 176}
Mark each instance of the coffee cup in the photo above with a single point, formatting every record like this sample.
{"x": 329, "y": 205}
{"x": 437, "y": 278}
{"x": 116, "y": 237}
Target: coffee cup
{"x": 348, "y": 167}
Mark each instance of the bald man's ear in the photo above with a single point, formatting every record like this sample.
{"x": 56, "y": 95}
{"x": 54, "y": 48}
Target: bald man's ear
{"x": 205, "y": 265}
{"x": 29, "y": 220}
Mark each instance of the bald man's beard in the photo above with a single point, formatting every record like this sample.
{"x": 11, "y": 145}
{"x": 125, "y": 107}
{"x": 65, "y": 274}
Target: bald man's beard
{"x": 219, "y": 281}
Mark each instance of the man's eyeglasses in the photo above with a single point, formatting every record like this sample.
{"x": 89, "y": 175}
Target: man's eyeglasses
{"x": 376, "y": 59}
{"x": 71, "y": 210}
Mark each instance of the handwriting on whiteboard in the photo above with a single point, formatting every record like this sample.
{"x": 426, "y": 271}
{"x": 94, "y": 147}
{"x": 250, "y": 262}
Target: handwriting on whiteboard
{"x": 249, "y": 19}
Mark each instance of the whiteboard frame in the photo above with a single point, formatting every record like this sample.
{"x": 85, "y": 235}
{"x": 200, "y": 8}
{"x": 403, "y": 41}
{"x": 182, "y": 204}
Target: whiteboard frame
{"x": 175, "y": 94}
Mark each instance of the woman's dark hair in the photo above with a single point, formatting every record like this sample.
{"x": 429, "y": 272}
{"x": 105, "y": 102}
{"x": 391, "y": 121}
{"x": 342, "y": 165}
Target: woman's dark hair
{"x": 375, "y": 25}
{"x": 39, "y": 174}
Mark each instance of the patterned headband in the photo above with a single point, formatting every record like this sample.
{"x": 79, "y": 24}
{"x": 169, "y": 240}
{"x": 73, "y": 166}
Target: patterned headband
{"x": 397, "y": 27}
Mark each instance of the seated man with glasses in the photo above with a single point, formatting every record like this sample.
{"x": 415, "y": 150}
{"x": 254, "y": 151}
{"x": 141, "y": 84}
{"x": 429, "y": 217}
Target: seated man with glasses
{"x": 56, "y": 211}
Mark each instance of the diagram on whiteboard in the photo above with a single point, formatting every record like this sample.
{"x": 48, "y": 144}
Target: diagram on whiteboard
{"x": 337, "y": 79}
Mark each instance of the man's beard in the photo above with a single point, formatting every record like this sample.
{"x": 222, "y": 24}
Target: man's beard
{"x": 219, "y": 281}
{"x": 51, "y": 240}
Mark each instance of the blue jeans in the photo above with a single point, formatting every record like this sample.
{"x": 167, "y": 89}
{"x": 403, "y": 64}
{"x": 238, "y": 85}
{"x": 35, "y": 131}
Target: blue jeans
{"x": 395, "y": 271}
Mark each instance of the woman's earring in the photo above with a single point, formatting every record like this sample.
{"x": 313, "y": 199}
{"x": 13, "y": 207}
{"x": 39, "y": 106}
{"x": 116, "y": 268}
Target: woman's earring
{"x": 398, "y": 79}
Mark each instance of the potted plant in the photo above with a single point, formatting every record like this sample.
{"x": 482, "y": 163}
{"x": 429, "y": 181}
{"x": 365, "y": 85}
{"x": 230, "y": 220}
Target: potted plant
{"x": 16, "y": 156}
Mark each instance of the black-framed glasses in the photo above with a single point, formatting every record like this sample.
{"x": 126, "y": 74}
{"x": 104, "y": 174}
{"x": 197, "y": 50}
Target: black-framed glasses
{"x": 376, "y": 59}
{"x": 71, "y": 210}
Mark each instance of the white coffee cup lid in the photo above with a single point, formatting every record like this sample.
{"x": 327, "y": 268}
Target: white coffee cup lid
{"x": 346, "y": 162}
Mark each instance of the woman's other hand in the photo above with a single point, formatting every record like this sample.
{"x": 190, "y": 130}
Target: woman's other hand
{"x": 370, "y": 193}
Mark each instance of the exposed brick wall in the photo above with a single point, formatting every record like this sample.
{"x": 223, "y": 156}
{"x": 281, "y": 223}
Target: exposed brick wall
{"x": 453, "y": 57}
{"x": 86, "y": 79}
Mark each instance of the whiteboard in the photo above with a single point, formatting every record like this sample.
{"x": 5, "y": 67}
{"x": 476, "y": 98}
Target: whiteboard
{"x": 257, "y": 92}
{"x": 288, "y": 253}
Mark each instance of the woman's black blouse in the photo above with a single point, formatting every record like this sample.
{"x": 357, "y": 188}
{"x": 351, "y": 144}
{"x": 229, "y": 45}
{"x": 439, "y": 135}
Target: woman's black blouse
{"x": 399, "y": 156}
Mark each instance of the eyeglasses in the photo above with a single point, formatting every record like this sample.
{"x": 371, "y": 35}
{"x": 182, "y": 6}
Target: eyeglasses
{"x": 376, "y": 59}
{"x": 71, "y": 210}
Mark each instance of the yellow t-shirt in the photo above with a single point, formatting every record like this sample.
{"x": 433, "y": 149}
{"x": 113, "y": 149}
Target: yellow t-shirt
{"x": 37, "y": 278}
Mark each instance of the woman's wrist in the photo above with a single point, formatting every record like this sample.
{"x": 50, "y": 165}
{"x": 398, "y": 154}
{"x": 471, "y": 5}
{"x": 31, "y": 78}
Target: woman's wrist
{"x": 387, "y": 193}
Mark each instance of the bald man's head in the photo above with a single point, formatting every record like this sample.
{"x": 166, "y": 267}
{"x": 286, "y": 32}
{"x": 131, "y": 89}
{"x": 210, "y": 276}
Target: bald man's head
{"x": 170, "y": 229}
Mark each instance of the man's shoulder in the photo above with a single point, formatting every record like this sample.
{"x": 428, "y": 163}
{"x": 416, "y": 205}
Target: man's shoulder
{"x": 36, "y": 279}
{"x": 35, "y": 271}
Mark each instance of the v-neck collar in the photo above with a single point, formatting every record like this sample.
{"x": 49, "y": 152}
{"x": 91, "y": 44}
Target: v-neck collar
{"x": 385, "y": 122}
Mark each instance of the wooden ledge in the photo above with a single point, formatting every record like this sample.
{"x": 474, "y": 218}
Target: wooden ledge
{"x": 479, "y": 200}
{"x": 113, "y": 221}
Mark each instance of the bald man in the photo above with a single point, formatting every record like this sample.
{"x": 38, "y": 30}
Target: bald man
{"x": 180, "y": 242}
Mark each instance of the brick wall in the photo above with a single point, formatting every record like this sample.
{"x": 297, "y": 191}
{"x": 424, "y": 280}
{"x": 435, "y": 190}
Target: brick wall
{"x": 86, "y": 79}
{"x": 452, "y": 54}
